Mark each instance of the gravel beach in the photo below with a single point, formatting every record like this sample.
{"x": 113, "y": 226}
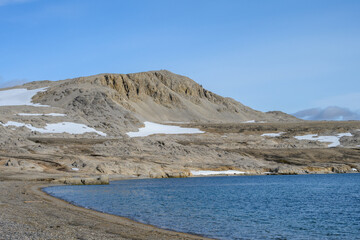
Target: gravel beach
{"x": 28, "y": 213}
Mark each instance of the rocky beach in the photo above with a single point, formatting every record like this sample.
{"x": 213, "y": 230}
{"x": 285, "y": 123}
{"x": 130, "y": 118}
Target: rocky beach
{"x": 29, "y": 213}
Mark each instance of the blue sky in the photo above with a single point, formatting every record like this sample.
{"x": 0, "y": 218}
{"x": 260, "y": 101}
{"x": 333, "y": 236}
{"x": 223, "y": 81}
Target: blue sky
{"x": 283, "y": 55}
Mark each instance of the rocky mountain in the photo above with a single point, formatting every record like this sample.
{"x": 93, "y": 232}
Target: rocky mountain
{"x": 158, "y": 124}
{"x": 123, "y": 101}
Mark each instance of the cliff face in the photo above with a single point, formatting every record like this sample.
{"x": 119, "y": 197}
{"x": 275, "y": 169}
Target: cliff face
{"x": 159, "y": 96}
{"x": 163, "y": 87}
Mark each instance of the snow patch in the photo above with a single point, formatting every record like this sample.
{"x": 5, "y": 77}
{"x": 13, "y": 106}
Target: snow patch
{"x": 62, "y": 127}
{"x": 204, "y": 173}
{"x": 20, "y": 96}
{"x": 272, "y": 134}
{"x": 15, "y": 124}
{"x": 155, "y": 128}
{"x": 75, "y": 169}
{"x": 354, "y": 169}
{"x": 250, "y": 121}
{"x": 333, "y": 140}
{"x": 42, "y": 114}
{"x": 176, "y": 122}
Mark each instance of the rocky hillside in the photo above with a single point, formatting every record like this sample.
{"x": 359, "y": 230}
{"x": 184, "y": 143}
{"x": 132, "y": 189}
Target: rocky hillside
{"x": 94, "y": 125}
{"x": 125, "y": 100}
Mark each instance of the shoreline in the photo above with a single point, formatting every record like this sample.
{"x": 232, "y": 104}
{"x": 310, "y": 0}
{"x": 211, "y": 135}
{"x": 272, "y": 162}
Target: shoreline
{"x": 30, "y": 213}
{"x": 27, "y": 212}
{"x": 38, "y": 189}
{"x": 116, "y": 219}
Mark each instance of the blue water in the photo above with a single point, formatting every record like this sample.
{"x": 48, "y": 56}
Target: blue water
{"x": 243, "y": 207}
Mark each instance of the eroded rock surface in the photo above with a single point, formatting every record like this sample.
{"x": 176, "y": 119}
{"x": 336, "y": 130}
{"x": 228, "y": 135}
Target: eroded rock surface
{"x": 115, "y": 104}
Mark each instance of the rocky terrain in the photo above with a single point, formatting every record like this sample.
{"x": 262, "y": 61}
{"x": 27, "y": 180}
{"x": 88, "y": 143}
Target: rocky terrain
{"x": 81, "y": 126}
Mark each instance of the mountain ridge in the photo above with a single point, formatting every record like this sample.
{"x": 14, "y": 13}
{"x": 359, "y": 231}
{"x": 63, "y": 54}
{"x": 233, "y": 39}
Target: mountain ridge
{"x": 332, "y": 113}
{"x": 119, "y": 124}
{"x": 155, "y": 96}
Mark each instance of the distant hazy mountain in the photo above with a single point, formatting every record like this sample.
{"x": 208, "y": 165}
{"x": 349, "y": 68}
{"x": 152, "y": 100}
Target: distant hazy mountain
{"x": 12, "y": 83}
{"x": 329, "y": 113}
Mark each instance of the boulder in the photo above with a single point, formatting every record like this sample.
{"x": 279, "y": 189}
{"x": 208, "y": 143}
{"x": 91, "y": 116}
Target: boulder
{"x": 12, "y": 163}
{"x": 99, "y": 180}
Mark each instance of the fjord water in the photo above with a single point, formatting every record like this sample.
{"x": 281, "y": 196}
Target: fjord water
{"x": 239, "y": 207}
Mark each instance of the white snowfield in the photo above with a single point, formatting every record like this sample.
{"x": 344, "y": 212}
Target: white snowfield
{"x": 42, "y": 114}
{"x": 155, "y": 128}
{"x": 272, "y": 134}
{"x": 333, "y": 140}
{"x": 205, "y": 173}
{"x": 62, "y": 127}
{"x": 19, "y": 97}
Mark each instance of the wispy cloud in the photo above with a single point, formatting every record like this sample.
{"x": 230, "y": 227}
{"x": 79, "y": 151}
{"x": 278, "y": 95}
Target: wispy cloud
{"x": 7, "y": 2}
{"x": 328, "y": 113}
